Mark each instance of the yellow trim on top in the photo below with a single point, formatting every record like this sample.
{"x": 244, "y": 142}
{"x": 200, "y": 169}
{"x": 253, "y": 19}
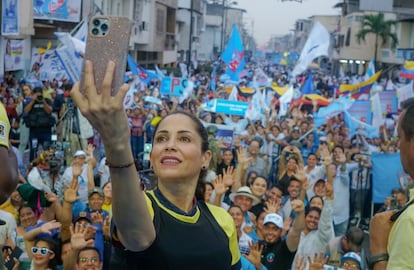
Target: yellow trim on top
{"x": 188, "y": 219}
{"x": 227, "y": 223}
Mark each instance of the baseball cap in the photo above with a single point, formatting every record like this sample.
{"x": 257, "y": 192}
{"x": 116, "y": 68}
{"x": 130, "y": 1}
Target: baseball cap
{"x": 275, "y": 219}
{"x": 351, "y": 256}
{"x": 95, "y": 190}
{"x": 80, "y": 153}
{"x": 82, "y": 215}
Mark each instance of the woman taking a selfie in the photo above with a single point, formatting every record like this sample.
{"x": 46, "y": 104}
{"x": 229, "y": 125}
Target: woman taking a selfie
{"x": 172, "y": 213}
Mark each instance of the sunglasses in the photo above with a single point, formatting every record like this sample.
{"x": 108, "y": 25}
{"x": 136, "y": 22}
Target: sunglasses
{"x": 43, "y": 250}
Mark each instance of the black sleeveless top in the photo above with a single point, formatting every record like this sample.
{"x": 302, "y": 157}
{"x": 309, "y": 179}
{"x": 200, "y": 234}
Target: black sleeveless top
{"x": 185, "y": 242}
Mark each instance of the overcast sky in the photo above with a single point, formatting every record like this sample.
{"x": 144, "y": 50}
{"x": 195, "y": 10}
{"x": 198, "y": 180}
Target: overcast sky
{"x": 274, "y": 17}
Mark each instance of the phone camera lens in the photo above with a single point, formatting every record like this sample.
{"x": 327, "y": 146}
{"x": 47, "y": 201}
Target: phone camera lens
{"x": 95, "y": 31}
{"x": 104, "y": 27}
{"x": 96, "y": 22}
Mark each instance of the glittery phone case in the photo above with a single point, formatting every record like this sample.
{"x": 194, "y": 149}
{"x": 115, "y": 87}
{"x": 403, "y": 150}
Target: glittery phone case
{"x": 108, "y": 39}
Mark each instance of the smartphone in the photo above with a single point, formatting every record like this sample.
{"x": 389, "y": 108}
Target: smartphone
{"x": 15, "y": 254}
{"x": 108, "y": 40}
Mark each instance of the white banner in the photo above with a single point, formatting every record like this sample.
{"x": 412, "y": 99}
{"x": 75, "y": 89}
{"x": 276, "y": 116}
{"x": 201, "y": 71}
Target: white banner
{"x": 13, "y": 58}
{"x": 50, "y": 66}
{"x": 377, "y": 114}
{"x": 69, "y": 57}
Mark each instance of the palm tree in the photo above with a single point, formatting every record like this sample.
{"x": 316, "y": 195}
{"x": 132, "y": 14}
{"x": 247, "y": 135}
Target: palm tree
{"x": 381, "y": 28}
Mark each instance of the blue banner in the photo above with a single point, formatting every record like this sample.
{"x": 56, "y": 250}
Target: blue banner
{"x": 58, "y": 10}
{"x": 356, "y": 126}
{"x": 386, "y": 169}
{"x": 361, "y": 110}
{"x": 389, "y": 101}
{"x": 173, "y": 86}
{"x": 10, "y": 19}
{"x": 226, "y": 106}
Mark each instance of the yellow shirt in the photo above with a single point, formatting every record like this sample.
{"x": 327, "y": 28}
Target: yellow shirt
{"x": 8, "y": 207}
{"x": 400, "y": 242}
{"x": 4, "y": 127}
{"x": 108, "y": 208}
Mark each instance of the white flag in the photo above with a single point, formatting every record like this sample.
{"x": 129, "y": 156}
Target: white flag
{"x": 370, "y": 70}
{"x": 377, "y": 115}
{"x": 316, "y": 45}
{"x": 285, "y": 100}
{"x": 405, "y": 92}
{"x": 233, "y": 94}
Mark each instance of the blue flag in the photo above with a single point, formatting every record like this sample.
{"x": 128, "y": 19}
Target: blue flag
{"x": 385, "y": 173}
{"x": 139, "y": 71}
{"x": 356, "y": 126}
{"x": 213, "y": 79}
{"x": 233, "y": 55}
{"x": 308, "y": 86}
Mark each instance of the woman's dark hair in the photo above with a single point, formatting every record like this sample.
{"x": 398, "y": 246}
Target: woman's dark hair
{"x": 53, "y": 246}
{"x": 235, "y": 206}
{"x": 340, "y": 147}
{"x": 259, "y": 176}
{"x": 202, "y": 132}
{"x": 310, "y": 209}
{"x": 24, "y": 205}
{"x": 248, "y": 177}
{"x": 316, "y": 196}
{"x": 209, "y": 184}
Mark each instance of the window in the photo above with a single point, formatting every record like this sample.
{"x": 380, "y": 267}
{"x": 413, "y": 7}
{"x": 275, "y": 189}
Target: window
{"x": 160, "y": 21}
{"x": 350, "y": 19}
{"x": 348, "y": 38}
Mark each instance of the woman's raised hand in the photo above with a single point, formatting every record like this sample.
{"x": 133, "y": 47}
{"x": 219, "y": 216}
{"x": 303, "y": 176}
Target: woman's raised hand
{"x": 105, "y": 112}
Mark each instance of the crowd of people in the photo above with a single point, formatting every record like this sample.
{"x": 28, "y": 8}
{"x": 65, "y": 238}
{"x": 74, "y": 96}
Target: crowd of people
{"x": 282, "y": 195}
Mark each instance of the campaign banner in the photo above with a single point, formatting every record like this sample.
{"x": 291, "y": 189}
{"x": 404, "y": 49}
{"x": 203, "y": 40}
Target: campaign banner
{"x": 226, "y": 106}
{"x": 224, "y": 133}
{"x": 10, "y": 18}
{"x": 58, "y": 10}
{"x": 173, "y": 86}
{"x": 50, "y": 66}
{"x": 386, "y": 171}
{"x": 71, "y": 61}
{"x": 389, "y": 101}
{"x": 13, "y": 59}
{"x": 361, "y": 110}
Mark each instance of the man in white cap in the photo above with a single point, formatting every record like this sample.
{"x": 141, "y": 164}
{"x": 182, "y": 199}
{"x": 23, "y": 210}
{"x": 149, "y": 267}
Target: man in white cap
{"x": 80, "y": 169}
{"x": 278, "y": 253}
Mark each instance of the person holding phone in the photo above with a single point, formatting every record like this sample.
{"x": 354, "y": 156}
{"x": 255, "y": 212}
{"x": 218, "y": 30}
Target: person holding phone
{"x": 174, "y": 212}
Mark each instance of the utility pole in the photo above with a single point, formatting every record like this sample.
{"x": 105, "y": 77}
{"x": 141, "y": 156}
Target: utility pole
{"x": 222, "y": 26}
{"x": 190, "y": 38}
